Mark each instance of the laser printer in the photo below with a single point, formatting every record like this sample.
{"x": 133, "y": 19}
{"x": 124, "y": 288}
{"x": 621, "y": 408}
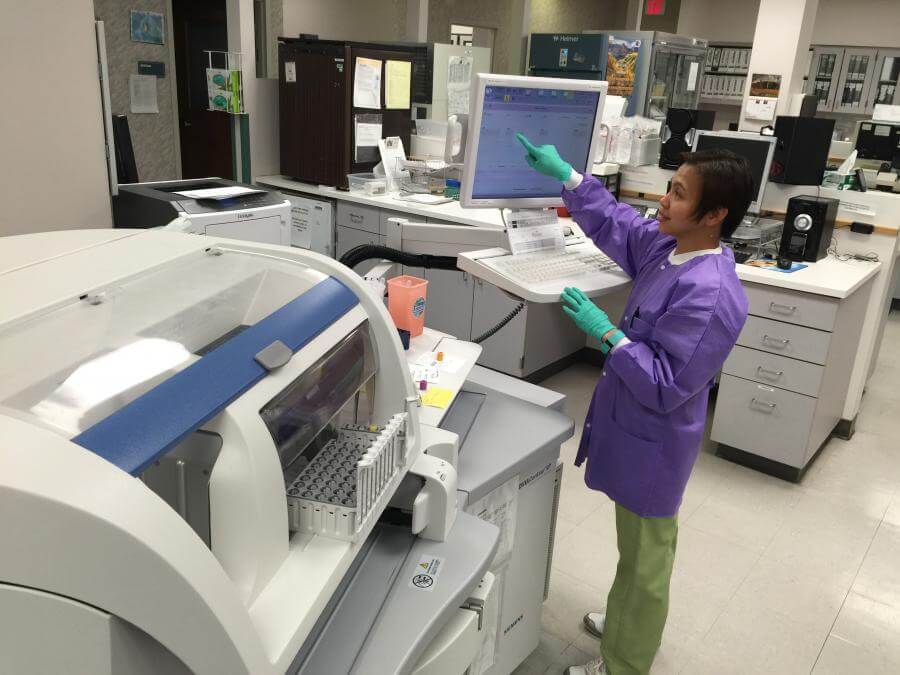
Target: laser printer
{"x": 213, "y": 460}
{"x": 215, "y": 206}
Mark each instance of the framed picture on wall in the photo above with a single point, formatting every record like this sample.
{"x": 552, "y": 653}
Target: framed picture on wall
{"x": 147, "y": 27}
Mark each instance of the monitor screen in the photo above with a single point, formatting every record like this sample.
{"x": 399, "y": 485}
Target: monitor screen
{"x": 563, "y": 118}
{"x": 755, "y": 149}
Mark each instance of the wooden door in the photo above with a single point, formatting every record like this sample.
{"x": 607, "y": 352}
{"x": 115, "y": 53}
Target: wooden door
{"x": 205, "y": 134}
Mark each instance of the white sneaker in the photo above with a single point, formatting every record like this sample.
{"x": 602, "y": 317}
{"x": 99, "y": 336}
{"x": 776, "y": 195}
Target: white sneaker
{"x": 595, "y": 667}
{"x": 595, "y": 622}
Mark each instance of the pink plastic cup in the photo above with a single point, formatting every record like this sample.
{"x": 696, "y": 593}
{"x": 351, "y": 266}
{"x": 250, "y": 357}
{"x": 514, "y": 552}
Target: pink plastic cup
{"x": 406, "y": 303}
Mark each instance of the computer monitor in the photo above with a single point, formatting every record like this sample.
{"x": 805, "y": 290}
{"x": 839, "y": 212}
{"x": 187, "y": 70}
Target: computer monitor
{"x": 548, "y": 110}
{"x": 756, "y": 149}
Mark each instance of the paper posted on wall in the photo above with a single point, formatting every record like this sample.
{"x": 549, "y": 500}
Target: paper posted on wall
{"x": 397, "y": 84}
{"x": 142, "y": 89}
{"x": 367, "y": 83}
{"x": 366, "y": 134}
{"x": 459, "y": 79}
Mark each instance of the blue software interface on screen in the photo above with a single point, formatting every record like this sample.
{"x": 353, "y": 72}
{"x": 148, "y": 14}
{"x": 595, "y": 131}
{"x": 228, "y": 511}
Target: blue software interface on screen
{"x": 561, "y": 118}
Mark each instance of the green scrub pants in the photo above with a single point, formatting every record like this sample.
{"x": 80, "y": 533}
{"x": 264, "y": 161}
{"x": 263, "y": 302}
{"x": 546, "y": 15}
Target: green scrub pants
{"x": 638, "y": 601}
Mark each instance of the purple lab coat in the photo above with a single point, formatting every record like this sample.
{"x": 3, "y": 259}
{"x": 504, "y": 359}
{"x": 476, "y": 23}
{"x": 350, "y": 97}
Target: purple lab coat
{"x": 645, "y": 423}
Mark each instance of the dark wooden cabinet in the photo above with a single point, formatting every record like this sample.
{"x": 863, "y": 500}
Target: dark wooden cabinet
{"x": 316, "y": 112}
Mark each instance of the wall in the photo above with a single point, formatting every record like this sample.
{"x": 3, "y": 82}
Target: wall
{"x": 346, "y": 19}
{"x": 718, "y": 20}
{"x": 274, "y": 29}
{"x": 153, "y": 135}
{"x": 508, "y": 18}
{"x": 574, "y": 16}
{"x": 666, "y": 22}
{"x": 781, "y": 38}
{"x": 862, "y": 22}
{"x": 53, "y": 170}
{"x": 873, "y": 23}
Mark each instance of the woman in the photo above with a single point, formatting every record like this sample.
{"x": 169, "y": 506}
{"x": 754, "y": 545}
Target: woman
{"x": 645, "y": 423}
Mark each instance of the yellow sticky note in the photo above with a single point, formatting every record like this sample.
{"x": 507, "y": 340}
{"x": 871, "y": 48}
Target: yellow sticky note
{"x": 398, "y": 76}
{"x": 437, "y": 397}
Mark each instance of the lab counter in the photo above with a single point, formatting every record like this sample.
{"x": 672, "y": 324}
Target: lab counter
{"x": 881, "y": 209}
{"x": 449, "y": 212}
{"x": 459, "y": 304}
{"x": 829, "y": 277}
{"x": 785, "y": 387}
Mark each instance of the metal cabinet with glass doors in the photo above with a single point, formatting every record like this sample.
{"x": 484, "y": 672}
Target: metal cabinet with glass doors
{"x": 885, "y": 88}
{"x": 857, "y": 69}
{"x": 854, "y": 79}
{"x": 676, "y": 71}
{"x": 823, "y": 75}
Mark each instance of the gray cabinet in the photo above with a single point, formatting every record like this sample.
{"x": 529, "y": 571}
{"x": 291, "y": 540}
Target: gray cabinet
{"x": 505, "y": 350}
{"x": 782, "y": 389}
{"x": 349, "y": 238}
{"x": 823, "y": 75}
{"x": 357, "y": 217}
{"x": 450, "y": 302}
{"x": 886, "y": 81}
{"x": 857, "y": 69}
{"x": 853, "y": 79}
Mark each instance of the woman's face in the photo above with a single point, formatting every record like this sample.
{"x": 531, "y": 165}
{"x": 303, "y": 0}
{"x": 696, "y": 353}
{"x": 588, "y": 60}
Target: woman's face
{"x": 678, "y": 208}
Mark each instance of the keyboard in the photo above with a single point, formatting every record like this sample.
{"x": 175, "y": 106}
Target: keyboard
{"x": 538, "y": 267}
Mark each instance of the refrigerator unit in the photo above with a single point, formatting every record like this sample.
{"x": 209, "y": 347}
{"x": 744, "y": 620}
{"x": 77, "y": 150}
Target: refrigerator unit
{"x": 573, "y": 55}
{"x": 654, "y": 71}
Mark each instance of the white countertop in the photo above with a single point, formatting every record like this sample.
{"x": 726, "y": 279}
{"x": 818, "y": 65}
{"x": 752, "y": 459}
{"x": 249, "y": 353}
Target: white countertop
{"x": 829, "y": 277}
{"x": 875, "y": 207}
{"x": 464, "y": 353}
{"x": 451, "y": 211}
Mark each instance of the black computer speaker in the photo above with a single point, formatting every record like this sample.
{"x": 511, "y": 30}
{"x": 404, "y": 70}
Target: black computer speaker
{"x": 678, "y": 133}
{"x": 801, "y": 150}
{"x": 808, "y": 226}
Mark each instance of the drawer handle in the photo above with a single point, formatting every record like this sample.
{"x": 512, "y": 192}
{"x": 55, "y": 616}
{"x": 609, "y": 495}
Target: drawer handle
{"x": 774, "y": 373}
{"x": 355, "y": 218}
{"x": 784, "y": 341}
{"x": 768, "y": 404}
{"x": 782, "y": 309}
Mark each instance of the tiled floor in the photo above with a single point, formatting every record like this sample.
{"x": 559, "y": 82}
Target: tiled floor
{"x": 770, "y": 577}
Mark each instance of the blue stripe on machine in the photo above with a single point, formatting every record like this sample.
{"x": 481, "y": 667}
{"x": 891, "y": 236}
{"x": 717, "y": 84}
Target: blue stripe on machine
{"x": 139, "y": 433}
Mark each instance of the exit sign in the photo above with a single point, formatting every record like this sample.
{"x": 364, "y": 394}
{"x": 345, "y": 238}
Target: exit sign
{"x": 655, "y": 7}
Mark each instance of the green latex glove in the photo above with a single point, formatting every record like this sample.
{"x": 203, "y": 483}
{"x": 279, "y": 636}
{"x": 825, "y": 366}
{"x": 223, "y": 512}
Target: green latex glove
{"x": 588, "y": 317}
{"x": 546, "y": 160}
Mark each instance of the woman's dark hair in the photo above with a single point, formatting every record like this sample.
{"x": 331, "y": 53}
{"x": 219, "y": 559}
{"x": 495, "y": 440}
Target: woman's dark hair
{"x": 725, "y": 183}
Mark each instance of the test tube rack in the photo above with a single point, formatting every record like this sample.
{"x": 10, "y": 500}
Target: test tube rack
{"x": 342, "y": 489}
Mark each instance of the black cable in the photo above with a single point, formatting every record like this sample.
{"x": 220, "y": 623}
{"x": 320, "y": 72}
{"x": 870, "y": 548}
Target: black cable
{"x": 368, "y": 251}
{"x": 505, "y": 320}
{"x": 871, "y": 256}
{"x": 364, "y": 252}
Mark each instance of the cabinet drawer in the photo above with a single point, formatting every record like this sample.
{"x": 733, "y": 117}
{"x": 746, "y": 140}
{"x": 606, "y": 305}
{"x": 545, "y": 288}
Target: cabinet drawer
{"x": 797, "y": 342}
{"x": 384, "y": 215}
{"x": 802, "y": 309}
{"x": 775, "y": 370}
{"x": 766, "y": 421}
{"x": 348, "y": 238}
{"x": 358, "y": 217}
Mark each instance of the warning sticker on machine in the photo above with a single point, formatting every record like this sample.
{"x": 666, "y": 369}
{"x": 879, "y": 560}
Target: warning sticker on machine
{"x": 426, "y": 572}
